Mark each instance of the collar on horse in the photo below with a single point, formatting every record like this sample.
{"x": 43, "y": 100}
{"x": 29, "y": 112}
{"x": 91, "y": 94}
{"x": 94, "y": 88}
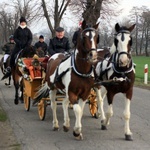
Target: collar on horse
{"x": 88, "y": 75}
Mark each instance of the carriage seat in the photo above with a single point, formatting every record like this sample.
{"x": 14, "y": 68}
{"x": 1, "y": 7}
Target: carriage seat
{"x": 34, "y": 67}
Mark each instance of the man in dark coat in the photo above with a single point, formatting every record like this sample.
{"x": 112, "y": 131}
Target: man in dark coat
{"x": 22, "y": 37}
{"x": 41, "y": 44}
{"x": 75, "y": 37}
{"x": 60, "y": 43}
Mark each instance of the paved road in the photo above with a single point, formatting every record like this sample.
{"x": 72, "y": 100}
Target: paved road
{"x": 34, "y": 134}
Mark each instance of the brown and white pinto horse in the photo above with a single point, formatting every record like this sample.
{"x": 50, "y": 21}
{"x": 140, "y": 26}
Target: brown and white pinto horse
{"x": 117, "y": 74}
{"x": 74, "y": 76}
{"x": 28, "y": 52}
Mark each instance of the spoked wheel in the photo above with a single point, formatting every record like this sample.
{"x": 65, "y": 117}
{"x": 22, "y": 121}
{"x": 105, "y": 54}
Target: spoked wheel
{"x": 26, "y": 102}
{"x": 93, "y": 104}
{"x": 42, "y": 109}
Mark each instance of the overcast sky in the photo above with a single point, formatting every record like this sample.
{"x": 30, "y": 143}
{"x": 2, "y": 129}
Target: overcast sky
{"x": 126, "y": 5}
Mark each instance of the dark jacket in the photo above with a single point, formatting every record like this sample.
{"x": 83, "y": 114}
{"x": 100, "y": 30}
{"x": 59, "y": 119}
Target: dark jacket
{"x": 22, "y": 37}
{"x": 8, "y": 48}
{"x": 57, "y": 45}
{"x": 75, "y": 37}
{"x": 43, "y": 45}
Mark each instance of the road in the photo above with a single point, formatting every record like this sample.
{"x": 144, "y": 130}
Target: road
{"x": 34, "y": 134}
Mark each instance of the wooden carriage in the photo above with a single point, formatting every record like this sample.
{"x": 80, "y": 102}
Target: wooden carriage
{"x": 31, "y": 85}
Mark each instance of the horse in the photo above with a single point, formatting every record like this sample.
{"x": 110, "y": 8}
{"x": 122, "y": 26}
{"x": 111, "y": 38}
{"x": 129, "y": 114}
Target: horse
{"x": 40, "y": 52}
{"x": 74, "y": 76}
{"x": 116, "y": 74}
{"x": 3, "y": 69}
{"x": 27, "y": 52}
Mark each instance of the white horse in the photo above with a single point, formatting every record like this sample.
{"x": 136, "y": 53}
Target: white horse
{"x": 117, "y": 74}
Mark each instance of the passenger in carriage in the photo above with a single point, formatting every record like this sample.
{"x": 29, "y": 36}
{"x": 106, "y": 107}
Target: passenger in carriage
{"x": 41, "y": 44}
{"x": 8, "y": 48}
{"x": 22, "y": 38}
{"x": 60, "y": 43}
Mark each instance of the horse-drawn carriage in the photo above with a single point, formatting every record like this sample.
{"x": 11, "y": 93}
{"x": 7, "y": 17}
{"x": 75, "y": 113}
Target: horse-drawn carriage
{"x": 33, "y": 73}
{"x": 75, "y": 75}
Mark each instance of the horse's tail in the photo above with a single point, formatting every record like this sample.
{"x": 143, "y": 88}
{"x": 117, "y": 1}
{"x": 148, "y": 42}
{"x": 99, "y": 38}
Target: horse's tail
{"x": 43, "y": 92}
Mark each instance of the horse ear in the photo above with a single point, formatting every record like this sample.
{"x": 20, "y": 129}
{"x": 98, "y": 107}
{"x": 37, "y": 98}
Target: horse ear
{"x": 131, "y": 28}
{"x": 83, "y": 24}
{"x": 117, "y": 27}
{"x": 96, "y": 26}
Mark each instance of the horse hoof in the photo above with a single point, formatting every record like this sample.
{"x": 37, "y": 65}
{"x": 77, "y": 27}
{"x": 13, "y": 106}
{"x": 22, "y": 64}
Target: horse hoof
{"x": 78, "y": 136}
{"x": 128, "y": 137}
{"x": 56, "y": 129}
{"x": 66, "y": 129}
{"x": 103, "y": 127}
{"x": 16, "y": 102}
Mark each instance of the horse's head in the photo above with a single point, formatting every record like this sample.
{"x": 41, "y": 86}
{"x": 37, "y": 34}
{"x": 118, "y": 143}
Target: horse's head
{"x": 123, "y": 43}
{"x": 28, "y": 52}
{"x": 87, "y": 42}
{"x": 40, "y": 52}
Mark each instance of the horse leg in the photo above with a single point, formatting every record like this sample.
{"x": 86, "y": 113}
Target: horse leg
{"x": 128, "y": 133}
{"x": 78, "y": 110}
{"x": 100, "y": 103}
{"x": 109, "y": 112}
{"x": 52, "y": 94}
{"x": 16, "y": 93}
{"x": 66, "y": 124}
{"x": 9, "y": 83}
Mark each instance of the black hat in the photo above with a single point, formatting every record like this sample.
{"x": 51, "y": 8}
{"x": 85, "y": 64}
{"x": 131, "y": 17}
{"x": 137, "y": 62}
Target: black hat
{"x": 11, "y": 37}
{"x": 59, "y": 29}
{"x": 41, "y": 37}
{"x": 22, "y": 19}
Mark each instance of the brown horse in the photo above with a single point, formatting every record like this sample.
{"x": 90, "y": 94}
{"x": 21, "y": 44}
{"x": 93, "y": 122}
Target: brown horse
{"x": 116, "y": 73}
{"x": 74, "y": 76}
{"x": 3, "y": 69}
{"x": 28, "y": 52}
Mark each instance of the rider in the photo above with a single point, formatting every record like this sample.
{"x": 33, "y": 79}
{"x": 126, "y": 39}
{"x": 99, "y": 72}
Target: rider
{"x": 8, "y": 48}
{"x": 23, "y": 39}
{"x": 41, "y": 44}
{"x": 60, "y": 43}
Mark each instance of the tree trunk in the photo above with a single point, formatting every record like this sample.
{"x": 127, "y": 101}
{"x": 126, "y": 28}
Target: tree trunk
{"x": 92, "y": 11}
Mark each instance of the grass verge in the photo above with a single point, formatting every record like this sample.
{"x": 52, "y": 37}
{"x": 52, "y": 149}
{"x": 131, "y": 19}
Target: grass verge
{"x": 3, "y": 115}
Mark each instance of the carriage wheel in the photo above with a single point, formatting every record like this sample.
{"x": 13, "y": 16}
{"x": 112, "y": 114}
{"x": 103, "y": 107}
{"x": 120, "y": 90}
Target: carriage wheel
{"x": 26, "y": 102}
{"x": 93, "y": 104}
{"x": 93, "y": 108}
{"x": 42, "y": 109}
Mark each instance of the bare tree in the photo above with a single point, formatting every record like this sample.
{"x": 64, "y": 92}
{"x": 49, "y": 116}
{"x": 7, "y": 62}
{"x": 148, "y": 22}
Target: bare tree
{"x": 10, "y": 14}
{"x": 92, "y": 10}
{"x": 57, "y": 13}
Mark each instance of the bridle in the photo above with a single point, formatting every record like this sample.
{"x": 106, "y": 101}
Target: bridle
{"x": 90, "y": 29}
{"x": 116, "y": 55}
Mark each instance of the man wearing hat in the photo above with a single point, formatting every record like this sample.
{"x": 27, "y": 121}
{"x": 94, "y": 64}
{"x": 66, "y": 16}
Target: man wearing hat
{"x": 60, "y": 43}
{"x": 22, "y": 38}
{"x": 41, "y": 44}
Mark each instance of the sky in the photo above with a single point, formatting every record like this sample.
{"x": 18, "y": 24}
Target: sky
{"x": 126, "y": 5}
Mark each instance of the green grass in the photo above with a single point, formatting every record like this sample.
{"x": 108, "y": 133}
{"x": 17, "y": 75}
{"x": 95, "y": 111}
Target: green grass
{"x": 140, "y": 61}
{"x": 3, "y": 116}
